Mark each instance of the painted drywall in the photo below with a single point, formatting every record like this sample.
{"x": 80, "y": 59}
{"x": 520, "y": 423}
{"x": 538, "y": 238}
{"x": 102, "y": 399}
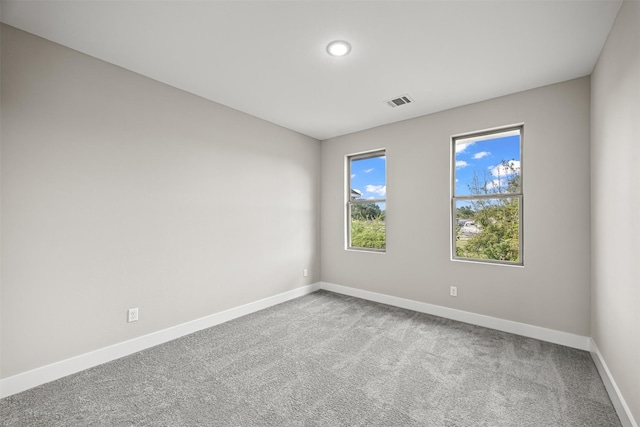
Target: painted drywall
{"x": 552, "y": 289}
{"x": 615, "y": 204}
{"x": 120, "y": 192}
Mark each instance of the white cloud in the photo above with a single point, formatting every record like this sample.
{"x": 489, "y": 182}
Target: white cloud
{"x": 461, "y": 164}
{"x": 481, "y": 154}
{"x": 502, "y": 170}
{"x": 462, "y": 146}
{"x": 380, "y": 190}
{"x": 368, "y": 170}
{"x": 353, "y": 175}
{"x": 496, "y": 184}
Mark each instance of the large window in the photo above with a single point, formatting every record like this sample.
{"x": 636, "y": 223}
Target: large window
{"x": 487, "y": 196}
{"x": 366, "y": 201}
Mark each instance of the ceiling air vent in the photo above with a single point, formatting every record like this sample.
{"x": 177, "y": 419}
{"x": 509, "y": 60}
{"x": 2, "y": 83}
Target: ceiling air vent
{"x": 401, "y": 100}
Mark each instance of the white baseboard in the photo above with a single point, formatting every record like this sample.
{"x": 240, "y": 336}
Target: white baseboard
{"x": 26, "y": 380}
{"x": 624, "y": 413}
{"x": 537, "y": 332}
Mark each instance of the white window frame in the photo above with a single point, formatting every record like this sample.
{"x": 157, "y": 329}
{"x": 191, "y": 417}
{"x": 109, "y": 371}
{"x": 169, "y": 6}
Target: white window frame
{"x": 515, "y": 195}
{"x": 380, "y": 152}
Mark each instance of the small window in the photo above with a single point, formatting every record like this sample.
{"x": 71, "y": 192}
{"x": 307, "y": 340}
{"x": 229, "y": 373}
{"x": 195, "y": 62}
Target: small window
{"x": 366, "y": 201}
{"x": 487, "y": 196}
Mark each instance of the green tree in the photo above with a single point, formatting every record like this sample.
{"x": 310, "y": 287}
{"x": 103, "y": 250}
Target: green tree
{"x": 465, "y": 212}
{"x": 368, "y": 233}
{"x": 367, "y": 226}
{"x": 497, "y": 218}
{"x": 367, "y": 211}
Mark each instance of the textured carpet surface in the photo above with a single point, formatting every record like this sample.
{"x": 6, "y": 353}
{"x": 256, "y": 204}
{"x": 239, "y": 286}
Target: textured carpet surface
{"x": 329, "y": 360}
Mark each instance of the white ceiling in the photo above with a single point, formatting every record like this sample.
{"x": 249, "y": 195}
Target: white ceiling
{"x": 268, "y": 58}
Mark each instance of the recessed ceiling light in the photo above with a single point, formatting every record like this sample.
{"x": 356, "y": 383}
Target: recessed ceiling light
{"x": 338, "y": 48}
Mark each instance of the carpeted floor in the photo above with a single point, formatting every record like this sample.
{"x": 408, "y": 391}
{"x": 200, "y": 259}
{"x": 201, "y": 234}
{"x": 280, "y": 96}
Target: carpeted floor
{"x": 329, "y": 360}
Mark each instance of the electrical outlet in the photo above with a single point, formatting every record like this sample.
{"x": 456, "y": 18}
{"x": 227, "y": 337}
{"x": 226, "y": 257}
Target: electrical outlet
{"x": 132, "y": 315}
{"x": 453, "y": 291}
{"x": 305, "y": 273}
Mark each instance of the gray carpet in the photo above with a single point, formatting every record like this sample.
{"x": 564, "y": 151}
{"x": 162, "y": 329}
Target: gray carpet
{"x": 329, "y": 360}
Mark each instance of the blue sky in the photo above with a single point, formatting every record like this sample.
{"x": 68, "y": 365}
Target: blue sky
{"x": 368, "y": 176}
{"x": 484, "y": 156}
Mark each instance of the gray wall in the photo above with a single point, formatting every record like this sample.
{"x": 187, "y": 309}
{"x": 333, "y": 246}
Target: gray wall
{"x": 552, "y": 289}
{"x": 615, "y": 194}
{"x": 120, "y": 192}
